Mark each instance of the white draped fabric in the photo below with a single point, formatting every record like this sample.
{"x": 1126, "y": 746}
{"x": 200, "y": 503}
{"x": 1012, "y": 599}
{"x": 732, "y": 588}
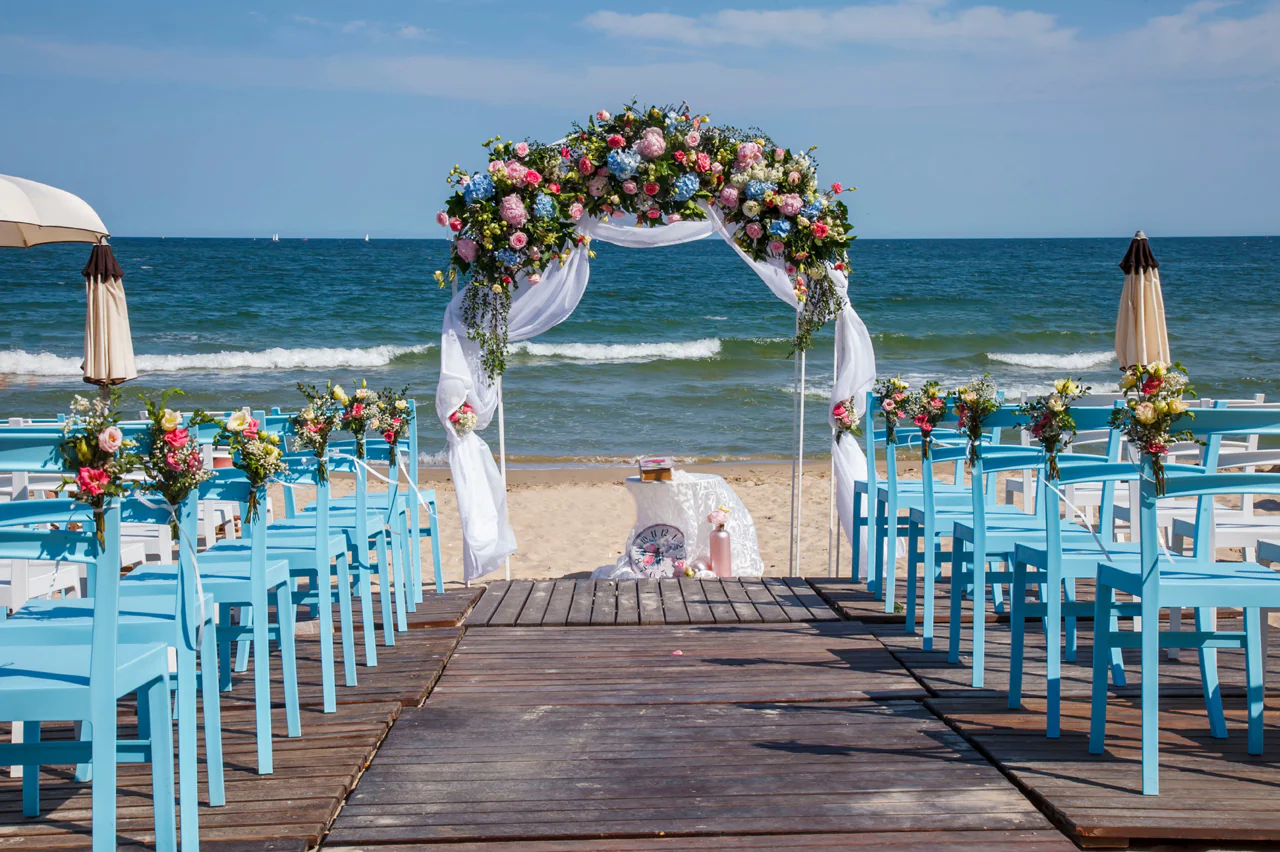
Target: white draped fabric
{"x": 486, "y": 532}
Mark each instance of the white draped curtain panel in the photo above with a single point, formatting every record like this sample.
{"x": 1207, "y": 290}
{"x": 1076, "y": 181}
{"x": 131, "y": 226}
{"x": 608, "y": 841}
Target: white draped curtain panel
{"x": 535, "y": 308}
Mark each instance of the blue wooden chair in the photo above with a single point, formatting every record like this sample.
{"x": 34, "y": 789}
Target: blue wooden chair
{"x": 42, "y": 682}
{"x": 1163, "y": 583}
{"x": 245, "y": 579}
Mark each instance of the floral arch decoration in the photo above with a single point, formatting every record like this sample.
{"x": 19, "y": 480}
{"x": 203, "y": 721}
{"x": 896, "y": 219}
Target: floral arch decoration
{"x": 654, "y": 166}
{"x": 522, "y": 232}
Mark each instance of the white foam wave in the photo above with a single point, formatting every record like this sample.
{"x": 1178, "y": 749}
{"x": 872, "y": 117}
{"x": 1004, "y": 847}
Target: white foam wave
{"x": 21, "y": 363}
{"x": 1045, "y": 361}
{"x": 633, "y": 352}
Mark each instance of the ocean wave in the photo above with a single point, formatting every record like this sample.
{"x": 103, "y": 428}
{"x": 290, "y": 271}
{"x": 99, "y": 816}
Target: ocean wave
{"x": 634, "y": 352}
{"x": 1044, "y": 361}
{"x": 21, "y": 363}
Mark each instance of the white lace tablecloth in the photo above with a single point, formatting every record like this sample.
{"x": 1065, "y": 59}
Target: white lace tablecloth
{"x": 685, "y": 502}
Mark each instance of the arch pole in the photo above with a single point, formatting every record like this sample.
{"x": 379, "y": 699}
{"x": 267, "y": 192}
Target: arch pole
{"x": 502, "y": 457}
{"x": 833, "y": 517}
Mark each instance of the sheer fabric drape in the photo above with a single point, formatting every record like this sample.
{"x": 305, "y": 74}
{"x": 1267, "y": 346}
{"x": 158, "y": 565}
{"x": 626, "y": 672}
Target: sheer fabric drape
{"x": 486, "y": 531}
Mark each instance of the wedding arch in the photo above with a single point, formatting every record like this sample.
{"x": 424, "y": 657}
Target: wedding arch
{"x": 644, "y": 178}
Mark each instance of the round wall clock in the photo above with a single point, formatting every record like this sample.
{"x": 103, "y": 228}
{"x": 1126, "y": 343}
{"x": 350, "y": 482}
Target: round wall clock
{"x": 655, "y": 545}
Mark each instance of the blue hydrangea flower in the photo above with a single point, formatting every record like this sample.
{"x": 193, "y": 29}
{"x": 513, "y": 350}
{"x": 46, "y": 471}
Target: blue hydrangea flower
{"x": 685, "y": 186}
{"x": 623, "y": 164}
{"x": 779, "y": 227}
{"x": 757, "y": 189}
{"x": 507, "y": 256}
{"x": 479, "y": 188}
{"x": 544, "y": 207}
{"x": 672, "y": 120}
{"x": 811, "y": 210}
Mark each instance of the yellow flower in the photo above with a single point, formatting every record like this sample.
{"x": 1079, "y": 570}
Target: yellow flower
{"x": 1145, "y": 413}
{"x": 239, "y": 421}
{"x": 339, "y": 394}
{"x": 1158, "y": 368}
{"x": 1055, "y": 403}
{"x": 1176, "y": 406}
{"x": 1066, "y": 386}
{"x": 401, "y": 405}
{"x": 170, "y": 420}
{"x": 1129, "y": 380}
{"x": 1160, "y": 406}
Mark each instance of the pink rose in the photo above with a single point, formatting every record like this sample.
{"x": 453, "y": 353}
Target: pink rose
{"x": 389, "y": 436}
{"x": 791, "y": 270}
{"x": 651, "y": 144}
{"x": 534, "y": 254}
{"x": 251, "y": 431}
{"x": 177, "y": 439}
{"x": 654, "y": 213}
{"x": 92, "y": 480}
{"x": 442, "y": 218}
{"x": 455, "y": 224}
{"x": 702, "y": 162}
{"x": 791, "y": 204}
{"x": 496, "y": 166}
{"x": 194, "y": 462}
{"x": 837, "y": 188}
{"x": 629, "y": 187}
{"x": 110, "y": 439}
{"x": 598, "y": 185}
{"x": 173, "y": 461}
{"x": 534, "y": 278}
{"x": 716, "y": 168}
{"x": 519, "y": 240}
{"x": 602, "y": 115}
{"x": 729, "y": 197}
{"x": 794, "y": 178}
{"x": 749, "y": 154}
{"x": 680, "y": 157}
{"x": 522, "y": 149}
{"x": 651, "y": 188}
{"x": 575, "y": 211}
{"x": 616, "y": 141}
{"x": 692, "y": 139}
{"x": 466, "y": 249}
{"x": 512, "y": 211}
{"x": 586, "y": 166}
{"x": 838, "y": 410}
{"x": 532, "y": 178}
{"x": 776, "y": 246}
{"x": 357, "y": 410}
{"x": 779, "y": 153}
{"x": 820, "y": 230}
{"x": 516, "y": 171}
{"x": 754, "y": 230}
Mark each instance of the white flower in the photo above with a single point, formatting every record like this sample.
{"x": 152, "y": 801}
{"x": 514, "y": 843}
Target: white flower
{"x": 361, "y": 393}
{"x": 170, "y": 420}
{"x": 751, "y": 209}
{"x": 402, "y": 405}
{"x": 239, "y": 421}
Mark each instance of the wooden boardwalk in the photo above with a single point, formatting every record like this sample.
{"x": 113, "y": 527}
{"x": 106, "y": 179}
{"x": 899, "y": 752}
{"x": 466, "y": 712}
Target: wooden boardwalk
{"x": 526, "y": 603}
{"x": 292, "y": 808}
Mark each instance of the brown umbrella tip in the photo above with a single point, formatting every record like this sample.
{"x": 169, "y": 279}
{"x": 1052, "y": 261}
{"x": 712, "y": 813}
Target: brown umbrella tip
{"x": 1139, "y": 255}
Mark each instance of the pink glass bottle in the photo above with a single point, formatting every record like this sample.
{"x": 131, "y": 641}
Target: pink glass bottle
{"x": 721, "y": 560}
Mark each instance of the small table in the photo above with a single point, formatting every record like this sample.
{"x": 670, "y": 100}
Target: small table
{"x": 684, "y": 502}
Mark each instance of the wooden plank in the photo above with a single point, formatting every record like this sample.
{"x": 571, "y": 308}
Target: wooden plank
{"x": 818, "y": 610}
{"x": 673, "y": 608}
{"x": 694, "y": 602}
{"x": 721, "y": 610}
{"x": 604, "y": 607}
{"x": 483, "y": 611}
{"x": 764, "y": 602}
{"x": 535, "y": 607}
{"x": 741, "y": 601}
{"x": 628, "y": 603}
{"x": 922, "y": 841}
{"x": 791, "y": 605}
{"x": 558, "y": 607}
{"x": 580, "y": 608}
{"x": 512, "y": 604}
{"x": 650, "y": 601}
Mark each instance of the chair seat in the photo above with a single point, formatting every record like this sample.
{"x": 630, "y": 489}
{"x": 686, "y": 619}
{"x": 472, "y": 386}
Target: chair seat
{"x": 1192, "y": 583}
{"x": 947, "y": 515}
{"x": 51, "y": 682}
{"x": 292, "y": 545}
{"x": 143, "y": 618}
{"x": 226, "y": 579}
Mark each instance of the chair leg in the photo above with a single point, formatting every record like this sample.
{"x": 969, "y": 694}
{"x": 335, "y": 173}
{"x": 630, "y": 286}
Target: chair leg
{"x": 876, "y": 552}
{"x": 288, "y": 658}
{"x": 957, "y": 594}
{"x": 1206, "y": 620}
{"x": 224, "y": 647}
{"x": 979, "y": 617}
{"x": 212, "y": 702}
{"x": 855, "y": 539}
{"x": 30, "y": 773}
{"x": 1175, "y": 626}
{"x": 322, "y": 590}
{"x": 1069, "y": 589}
{"x": 1053, "y": 661}
{"x": 348, "y": 623}
{"x": 242, "y": 647}
{"x": 1102, "y": 615}
{"x": 103, "y": 749}
{"x": 913, "y": 560}
{"x": 1255, "y": 665}
{"x": 262, "y": 687}
{"x": 1017, "y": 632}
{"x": 404, "y": 602}
{"x": 436, "y": 565}
{"x": 1150, "y": 698}
{"x": 188, "y": 745}
{"x": 385, "y": 595}
{"x": 161, "y": 740}
{"x": 930, "y": 576}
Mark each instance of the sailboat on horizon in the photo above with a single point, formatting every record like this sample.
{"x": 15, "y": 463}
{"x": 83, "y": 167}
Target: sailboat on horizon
{"x": 275, "y": 238}
{"x": 366, "y": 238}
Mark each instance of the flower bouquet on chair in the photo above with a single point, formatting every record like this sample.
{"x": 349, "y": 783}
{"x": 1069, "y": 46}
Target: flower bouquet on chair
{"x": 94, "y": 446}
{"x": 1153, "y": 401}
{"x": 173, "y": 464}
{"x": 1051, "y": 423}
{"x": 926, "y": 408}
{"x": 258, "y": 454}
{"x": 359, "y": 413}
{"x": 890, "y": 394}
{"x": 845, "y": 417}
{"x": 315, "y": 423}
{"x": 975, "y": 402}
{"x": 394, "y": 423}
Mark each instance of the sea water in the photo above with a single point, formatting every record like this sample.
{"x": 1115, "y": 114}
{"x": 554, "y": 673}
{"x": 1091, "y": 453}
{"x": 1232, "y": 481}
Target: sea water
{"x": 679, "y": 350}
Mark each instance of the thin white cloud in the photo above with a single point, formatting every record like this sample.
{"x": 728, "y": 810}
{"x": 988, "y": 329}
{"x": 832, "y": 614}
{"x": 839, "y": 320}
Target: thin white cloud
{"x": 369, "y": 29}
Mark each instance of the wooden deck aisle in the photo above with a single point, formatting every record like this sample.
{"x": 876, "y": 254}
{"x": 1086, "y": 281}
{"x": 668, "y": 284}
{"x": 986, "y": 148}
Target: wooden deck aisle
{"x": 556, "y": 603}
{"x": 291, "y": 809}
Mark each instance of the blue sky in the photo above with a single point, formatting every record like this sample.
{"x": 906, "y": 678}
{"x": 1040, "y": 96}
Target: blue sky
{"x": 954, "y": 119}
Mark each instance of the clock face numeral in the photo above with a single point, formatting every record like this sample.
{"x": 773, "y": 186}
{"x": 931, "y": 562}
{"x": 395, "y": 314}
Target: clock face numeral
{"x": 655, "y": 545}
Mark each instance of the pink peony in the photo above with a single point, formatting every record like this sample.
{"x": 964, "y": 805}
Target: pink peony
{"x": 794, "y": 178}
{"x": 466, "y": 249}
{"x": 754, "y": 230}
{"x": 616, "y": 141}
{"x": 651, "y": 144}
{"x": 602, "y": 115}
{"x": 532, "y": 178}
{"x": 442, "y": 218}
{"x": 575, "y": 211}
{"x": 692, "y": 139}
{"x": 790, "y": 204}
{"x": 598, "y": 185}
{"x": 519, "y": 240}
{"x": 177, "y": 439}
{"x": 749, "y": 154}
{"x": 702, "y": 162}
{"x": 779, "y": 153}
{"x": 586, "y": 166}
{"x": 512, "y": 211}
{"x": 92, "y": 480}
{"x": 111, "y": 439}
{"x": 729, "y": 196}
{"x": 522, "y": 149}
{"x": 651, "y": 188}
{"x": 629, "y": 187}
{"x": 776, "y": 246}
{"x": 516, "y": 171}
{"x": 820, "y": 230}
{"x": 496, "y": 166}
{"x": 716, "y": 168}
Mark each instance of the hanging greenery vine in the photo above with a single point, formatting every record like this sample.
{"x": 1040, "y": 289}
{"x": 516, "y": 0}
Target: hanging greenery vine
{"x": 655, "y": 166}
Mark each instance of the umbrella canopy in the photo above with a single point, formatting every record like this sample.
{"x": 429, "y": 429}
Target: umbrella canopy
{"x": 1141, "y": 336}
{"x": 32, "y": 214}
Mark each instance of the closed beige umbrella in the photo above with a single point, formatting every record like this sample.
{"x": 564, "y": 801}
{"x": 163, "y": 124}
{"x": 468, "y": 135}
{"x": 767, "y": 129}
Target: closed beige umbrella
{"x": 108, "y": 346}
{"x": 33, "y": 214}
{"x": 1141, "y": 336}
